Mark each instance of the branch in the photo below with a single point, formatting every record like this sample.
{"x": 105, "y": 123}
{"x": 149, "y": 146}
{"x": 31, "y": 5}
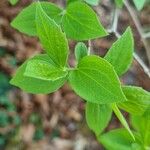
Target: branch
{"x": 113, "y": 29}
{"x": 114, "y": 21}
{"x": 89, "y": 47}
{"x": 139, "y": 27}
{"x": 138, "y": 59}
{"x": 146, "y": 35}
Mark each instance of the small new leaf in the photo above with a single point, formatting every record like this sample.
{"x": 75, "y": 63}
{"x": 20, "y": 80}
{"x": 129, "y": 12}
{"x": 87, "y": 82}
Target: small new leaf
{"x": 92, "y": 2}
{"x": 120, "y": 55}
{"x": 137, "y": 102}
{"x": 97, "y": 116}
{"x": 80, "y": 51}
{"x": 34, "y": 85}
{"x": 139, "y": 4}
{"x": 52, "y": 38}
{"x": 80, "y": 22}
{"x": 119, "y": 3}
{"x": 25, "y": 20}
{"x": 142, "y": 125}
{"x": 13, "y": 2}
{"x": 118, "y": 139}
{"x": 95, "y": 80}
{"x": 44, "y": 70}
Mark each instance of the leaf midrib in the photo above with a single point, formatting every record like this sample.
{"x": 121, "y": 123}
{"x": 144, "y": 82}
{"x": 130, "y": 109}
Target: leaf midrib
{"x": 96, "y": 82}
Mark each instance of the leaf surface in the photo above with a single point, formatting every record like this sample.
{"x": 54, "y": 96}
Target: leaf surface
{"x": 142, "y": 125}
{"x": 138, "y": 100}
{"x": 95, "y": 80}
{"x": 52, "y": 38}
{"x": 120, "y": 55}
{"x": 139, "y": 4}
{"x": 33, "y": 85}
{"x": 119, "y": 3}
{"x": 98, "y": 116}
{"x": 92, "y": 2}
{"x": 122, "y": 119}
{"x": 80, "y": 22}
{"x": 80, "y": 51}
{"x": 44, "y": 70}
{"x": 118, "y": 139}
{"x": 25, "y": 20}
{"x": 13, "y": 2}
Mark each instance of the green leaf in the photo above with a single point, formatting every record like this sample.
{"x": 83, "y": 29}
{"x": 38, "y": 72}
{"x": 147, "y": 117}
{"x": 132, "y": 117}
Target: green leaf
{"x": 95, "y": 80}
{"x": 13, "y": 2}
{"x": 98, "y": 116}
{"x": 33, "y": 85}
{"x": 44, "y": 70}
{"x": 80, "y": 22}
{"x": 52, "y": 38}
{"x": 122, "y": 119}
{"x": 139, "y": 4}
{"x": 70, "y": 1}
{"x": 80, "y": 51}
{"x": 142, "y": 125}
{"x": 137, "y": 146}
{"x": 92, "y": 2}
{"x": 138, "y": 100}
{"x": 25, "y": 20}
{"x": 118, "y": 139}
{"x": 120, "y": 55}
{"x": 119, "y": 3}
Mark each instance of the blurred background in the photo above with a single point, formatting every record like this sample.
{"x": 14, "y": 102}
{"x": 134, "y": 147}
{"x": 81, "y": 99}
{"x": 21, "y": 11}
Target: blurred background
{"x": 57, "y": 121}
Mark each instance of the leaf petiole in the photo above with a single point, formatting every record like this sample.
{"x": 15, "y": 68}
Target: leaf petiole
{"x": 122, "y": 119}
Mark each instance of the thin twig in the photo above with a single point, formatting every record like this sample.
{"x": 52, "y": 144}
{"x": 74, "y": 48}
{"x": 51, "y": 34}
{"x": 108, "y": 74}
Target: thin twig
{"x": 115, "y": 20}
{"x": 117, "y": 34}
{"x": 146, "y": 35}
{"x": 138, "y": 59}
{"x": 89, "y": 47}
{"x": 138, "y": 26}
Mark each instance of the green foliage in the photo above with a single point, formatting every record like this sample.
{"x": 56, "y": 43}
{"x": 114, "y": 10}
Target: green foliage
{"x": 122, "y": 119}
{"x": 52, "y": 38}
{"x": 98, "y": 116}
{"x": 80, "y": 51}
{"x": 71, "y": 20}
{"x": 137, "y": 102}
{"x": 120, "y": 55}
{"x": 92, "y": 2}
{"x": 118, "y": 139}
{"x": 33, "y": 85}
{"x": 13, "y": 2}
{"x": 82, "y": 24}
{"x": 98, "y": 84}
{"x": 25, "y": 21}
{"x": 44, "y": 70}
{"x": 139, "y": 3}
{"x": 94, "y": 79}
{"x": 70, "y": 1}
{"x": 119, "y": 3}
{"x": 142, "y": 125}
